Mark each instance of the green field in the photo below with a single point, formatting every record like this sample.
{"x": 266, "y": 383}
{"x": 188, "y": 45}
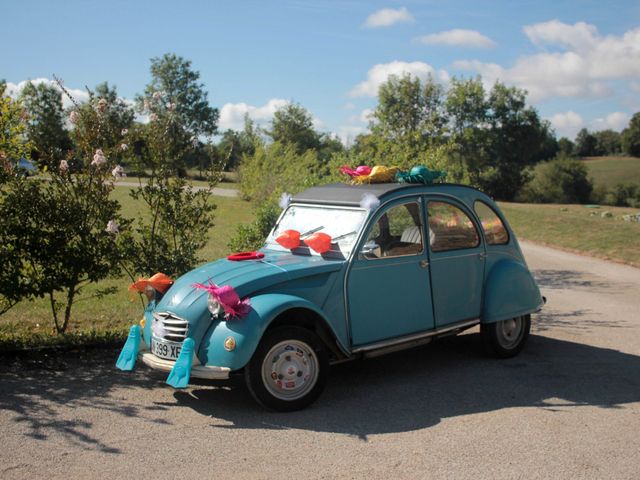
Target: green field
{"x": 578, "y": 228}
{"x": 610, "y": 171}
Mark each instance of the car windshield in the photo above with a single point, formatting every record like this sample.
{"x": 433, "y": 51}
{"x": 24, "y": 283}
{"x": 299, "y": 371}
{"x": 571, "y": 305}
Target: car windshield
{"x": 340, "y": 223}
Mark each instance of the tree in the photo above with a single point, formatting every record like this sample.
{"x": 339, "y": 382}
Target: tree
{"x": 585, "y": 143}
{"x": 561, "y": 180}
{"x": 631, "y": 136}
{"x": 292, "y": 124}
{"x": 176, "y": 84}
{"x": 566, "y": 147}
{"x": 407, "y": 106}
{"x": 46, "y": 123}
{"x": 608, "y": 142}
{"x": 519, "y": 138}
{"x": 13, "y": 129}
{"x": 101, "y": 123}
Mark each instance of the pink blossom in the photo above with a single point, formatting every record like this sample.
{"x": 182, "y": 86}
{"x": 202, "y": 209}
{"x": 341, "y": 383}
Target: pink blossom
{"x": 99, "y": 159}
{"x": 64, "y": 167}
{"x": 124, "y": 147}
{"x": 124, "y": 131}
{"x": 118, "y": 172}
{"x": 74, "y": 117}
{"x": 153, "y": 117}
{"x": 157, "y": 95}
{"x": 194, "y": 141}
{"x": 102, "y": 105}
{"x": 112, "y": 227}
{"x": 146, "y": 104}
{"x": 171, "y": 106}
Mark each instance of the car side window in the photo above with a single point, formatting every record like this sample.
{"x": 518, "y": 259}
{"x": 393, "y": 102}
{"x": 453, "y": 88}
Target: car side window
{"x": 450, "y": 228}
{"x": 397, "y": 232}
{"x": 494, "y": 230}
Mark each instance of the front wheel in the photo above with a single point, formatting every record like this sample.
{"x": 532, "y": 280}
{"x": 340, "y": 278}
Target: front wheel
{"x": 506, "y": 338}
{"x": 288, "y": 370}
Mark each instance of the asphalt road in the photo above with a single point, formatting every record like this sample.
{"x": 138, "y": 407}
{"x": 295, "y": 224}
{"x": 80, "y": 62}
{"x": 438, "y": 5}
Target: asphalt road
{"x": 567, "y": 407}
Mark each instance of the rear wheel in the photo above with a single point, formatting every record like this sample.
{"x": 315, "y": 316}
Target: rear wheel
{"x": 288, "y": 370}
{"x": 506, "y": 338}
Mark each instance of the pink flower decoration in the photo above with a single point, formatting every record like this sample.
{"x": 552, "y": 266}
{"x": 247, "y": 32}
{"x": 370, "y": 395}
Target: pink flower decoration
{"x": 228, "y": 298}
{"x": 358, "y": 172}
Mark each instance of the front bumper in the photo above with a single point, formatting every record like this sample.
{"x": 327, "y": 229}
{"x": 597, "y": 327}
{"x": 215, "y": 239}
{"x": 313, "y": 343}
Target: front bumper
{"x": 197, "y": 371}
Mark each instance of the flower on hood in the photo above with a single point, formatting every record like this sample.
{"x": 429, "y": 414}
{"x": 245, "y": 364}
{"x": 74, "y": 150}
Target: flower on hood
{"x": 112, "y": 227}
{"x": 98, "y": 158}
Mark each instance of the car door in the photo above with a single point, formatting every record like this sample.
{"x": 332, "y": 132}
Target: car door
{"x": 457, "y": 256}
{"x": 388, "y": 285}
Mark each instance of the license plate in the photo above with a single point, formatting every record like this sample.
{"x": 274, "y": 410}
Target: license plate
{"x": 163, "y": 349}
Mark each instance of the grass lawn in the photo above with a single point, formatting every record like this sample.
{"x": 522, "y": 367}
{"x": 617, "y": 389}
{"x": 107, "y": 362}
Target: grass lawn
{"x": 610, "y": 171}
{"x": 116, "y": 312}
{"x": 578, "y": 228}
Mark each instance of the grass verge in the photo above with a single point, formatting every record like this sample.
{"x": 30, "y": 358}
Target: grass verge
{"x": 579, "y": 229}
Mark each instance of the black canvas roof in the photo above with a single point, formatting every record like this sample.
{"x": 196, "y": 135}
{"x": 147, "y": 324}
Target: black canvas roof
{"x": 351, "y": 195}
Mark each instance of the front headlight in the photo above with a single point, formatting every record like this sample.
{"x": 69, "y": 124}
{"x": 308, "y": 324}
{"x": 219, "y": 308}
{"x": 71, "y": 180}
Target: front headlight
{"x": 214, "y": 306}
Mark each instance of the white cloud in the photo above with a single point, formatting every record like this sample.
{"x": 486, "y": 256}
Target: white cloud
{"x": 584, "y": 66}
{"x": 232, "y": 114}
{"x": 80, "y": 95}
{"x": 458, "y": 38}
{"x": 379, "y": 73}
{"x": 580, "y": 36}
{"x": 387, "y": 17}
{"x": 366, "y": 115}
{"x": 614, "y": 121}
{"x": 349, "y": 106}
{"x": 348, "y": 133}
{"x": 567, "y": 124}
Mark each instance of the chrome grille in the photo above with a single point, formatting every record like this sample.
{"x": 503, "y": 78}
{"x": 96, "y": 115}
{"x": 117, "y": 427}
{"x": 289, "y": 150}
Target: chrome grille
{"x": 175, "y": 328}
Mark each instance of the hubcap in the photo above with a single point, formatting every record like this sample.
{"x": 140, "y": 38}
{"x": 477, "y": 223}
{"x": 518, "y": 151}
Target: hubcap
{"x": 290, "y": 370}
{"x": 510, "y": 332}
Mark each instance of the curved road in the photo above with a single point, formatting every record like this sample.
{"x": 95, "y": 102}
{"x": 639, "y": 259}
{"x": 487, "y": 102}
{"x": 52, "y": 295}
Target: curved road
{"x": 567, "y": 407}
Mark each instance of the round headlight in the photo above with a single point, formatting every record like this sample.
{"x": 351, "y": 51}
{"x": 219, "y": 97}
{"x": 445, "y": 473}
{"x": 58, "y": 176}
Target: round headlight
{"x": 214, "y": 306}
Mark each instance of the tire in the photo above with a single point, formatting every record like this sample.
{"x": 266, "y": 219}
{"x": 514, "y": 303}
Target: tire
{"x": 288, "y": 370}
{"x": 506, "y": 338}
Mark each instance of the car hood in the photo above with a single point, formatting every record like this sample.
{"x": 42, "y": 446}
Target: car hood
{"x": 247, "y": 277}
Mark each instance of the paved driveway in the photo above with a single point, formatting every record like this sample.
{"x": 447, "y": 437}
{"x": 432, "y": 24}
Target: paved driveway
{"x": 567, "y": 407}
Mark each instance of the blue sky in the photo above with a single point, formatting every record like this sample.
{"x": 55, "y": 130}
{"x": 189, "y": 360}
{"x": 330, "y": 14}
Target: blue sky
{"x": 580, "y": 61}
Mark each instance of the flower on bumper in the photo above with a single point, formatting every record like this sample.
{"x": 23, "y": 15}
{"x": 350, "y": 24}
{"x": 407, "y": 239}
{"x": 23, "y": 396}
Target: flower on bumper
{"x": 228, "y": 298}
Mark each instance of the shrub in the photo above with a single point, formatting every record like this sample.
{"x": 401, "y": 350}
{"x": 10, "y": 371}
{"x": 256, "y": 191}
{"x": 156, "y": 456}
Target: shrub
{"x": 252, "y": 236}
{"x": 623, "y": 195}
{"x": 562, "y": 180}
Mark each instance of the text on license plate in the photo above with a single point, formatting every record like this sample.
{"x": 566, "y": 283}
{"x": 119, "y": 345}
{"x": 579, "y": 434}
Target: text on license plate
{"x": 164, "y": 349}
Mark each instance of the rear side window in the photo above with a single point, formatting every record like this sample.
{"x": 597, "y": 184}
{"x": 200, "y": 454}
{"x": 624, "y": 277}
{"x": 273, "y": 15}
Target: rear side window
{"x": 494, "y": 230}
{"x": 450, "y": 228}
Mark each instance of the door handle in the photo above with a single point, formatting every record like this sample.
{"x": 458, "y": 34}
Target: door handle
{"x": 482, "y": 255}
{"x": 424, "y": 264}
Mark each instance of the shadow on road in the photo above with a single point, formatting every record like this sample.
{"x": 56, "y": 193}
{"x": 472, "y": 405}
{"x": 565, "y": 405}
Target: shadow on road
{"x": 417, "y": 389}
{"x": 35, "y": 386}
{"x": 401, "y": 392}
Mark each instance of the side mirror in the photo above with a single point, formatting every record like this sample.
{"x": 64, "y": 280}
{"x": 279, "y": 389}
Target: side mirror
{"x": 371, "y": 250}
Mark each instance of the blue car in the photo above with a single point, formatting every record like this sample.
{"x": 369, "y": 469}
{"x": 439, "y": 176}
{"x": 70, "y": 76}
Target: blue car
{"x": 347, "y": 272}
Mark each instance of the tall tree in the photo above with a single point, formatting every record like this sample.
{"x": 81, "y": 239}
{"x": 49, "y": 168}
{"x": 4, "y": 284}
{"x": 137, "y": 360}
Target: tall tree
{"x": 585, "y": 144}
{"x": 293, "y": 125}
{"x": 46, "y": 123}
{"x": 407, "y": 106}
{"x": 631, "y": 136}
{"x": 175, "y": 83}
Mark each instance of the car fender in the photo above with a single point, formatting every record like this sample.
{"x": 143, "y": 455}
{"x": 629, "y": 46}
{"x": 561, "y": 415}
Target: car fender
{"x": 248, "y": 330}
{"x": 510, "y": 291}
